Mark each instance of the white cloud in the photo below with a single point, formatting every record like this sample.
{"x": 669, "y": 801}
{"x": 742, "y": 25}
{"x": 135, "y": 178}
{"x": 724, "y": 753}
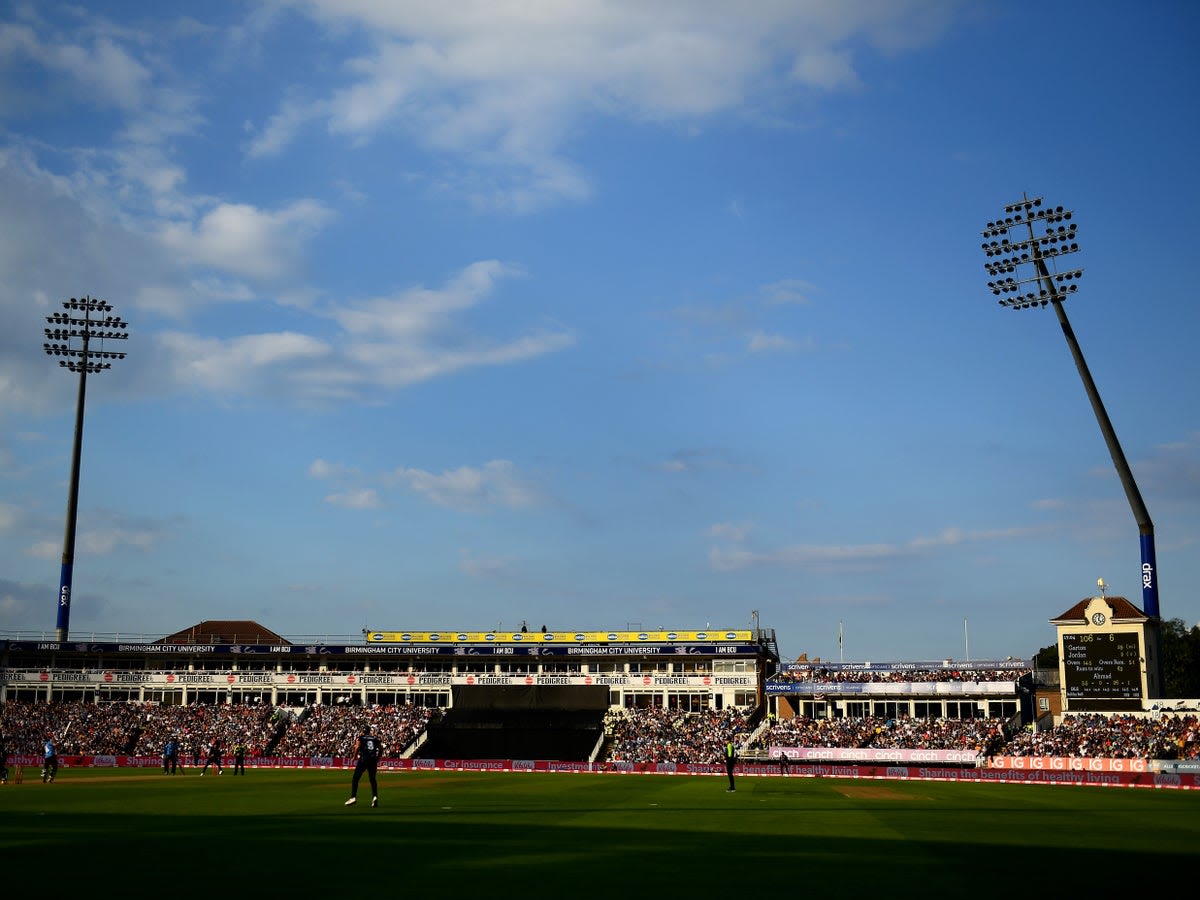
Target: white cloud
{"x": 420, "y": 311}
{"x": 730, "y": 531}
{"x": 503, "y": 84}
{"x": 495, "y": 568}
{"x": 466, "y": 489}
{"x": 409, "y": 337}
{"x": 825, "y": 69}
{"x": 1049, "y": 503}
{"x": 700, "y": 460}
{"x": 495, "y": 485}
{"x": 101, "y": 71}
{"x": 1172, "y": 470}
{"x": 762, "y": 342}
{"x": 732, "y": 558}
{"x": 319, "y": 468}
{"x": 352, "y": 495}
{"x": 238, "y": 363}
{"x": 105, "y": 541}
{"x": 362, "y": 498}
{"x": 45, "y": 549}
{"x": 97, "y": 542}
{"x": 9, "y": 515}
{"x": 787, "y": 291}
{"x": 17, "y": 601}
{"x": 244, "y": 240}
{"x": 379, "y": 344}
{"x": 282, "y": 127}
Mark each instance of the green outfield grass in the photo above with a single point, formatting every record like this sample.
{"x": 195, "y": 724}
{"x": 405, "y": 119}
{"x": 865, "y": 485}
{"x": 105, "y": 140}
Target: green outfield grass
{"x": 104, "y": 832}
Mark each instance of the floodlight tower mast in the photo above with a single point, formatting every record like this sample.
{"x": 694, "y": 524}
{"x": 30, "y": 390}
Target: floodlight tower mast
{"x": 81, "y": 322}
{"x": 1006, "y": 259}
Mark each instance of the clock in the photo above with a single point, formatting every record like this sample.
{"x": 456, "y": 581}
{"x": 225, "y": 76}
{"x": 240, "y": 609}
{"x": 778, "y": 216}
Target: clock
{"x": 1098, "y": 618}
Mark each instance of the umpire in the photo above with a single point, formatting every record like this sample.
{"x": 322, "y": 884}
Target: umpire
{"x": 731, "y": 759}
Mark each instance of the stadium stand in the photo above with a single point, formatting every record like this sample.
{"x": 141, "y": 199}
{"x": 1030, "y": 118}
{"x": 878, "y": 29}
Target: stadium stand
{"x": 633, "y": 735}
{"x": 621, "y": 697}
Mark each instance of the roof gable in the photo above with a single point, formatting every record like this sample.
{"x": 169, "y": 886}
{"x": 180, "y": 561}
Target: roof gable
{"x": 224, "y": 631}
{"x": 1121, "y": 610}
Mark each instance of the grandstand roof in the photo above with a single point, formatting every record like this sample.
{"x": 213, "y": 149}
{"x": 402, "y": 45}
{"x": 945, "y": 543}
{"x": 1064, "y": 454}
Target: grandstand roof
{"x": 1121, "y": 609}
{"x": 223, "y": 631}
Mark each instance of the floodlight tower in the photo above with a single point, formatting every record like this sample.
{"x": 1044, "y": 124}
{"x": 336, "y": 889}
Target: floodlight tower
{"x": 82, "y": 322}
{"x": 1008, "y": 259}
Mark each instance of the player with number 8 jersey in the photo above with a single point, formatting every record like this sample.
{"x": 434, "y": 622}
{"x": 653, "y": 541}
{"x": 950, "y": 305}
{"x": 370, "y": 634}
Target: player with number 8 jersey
{"x": 367, "y": 750}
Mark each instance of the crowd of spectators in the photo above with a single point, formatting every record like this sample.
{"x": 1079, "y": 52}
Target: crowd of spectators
{"x": 817, "y": 674}
{"x": 76, "y": 727}
{"x": 803, "y": 731}
{"x": 143, "y": 729}
{"x": 1114, "y": 737}
{"x": 982, "y": 735}
{"x": 655, "y": 734}
{"x": 321, "y": 731}
{"x": 195, "y": 727}
{"x": 1091, "y": 735}
{"x": 645, "y": 735}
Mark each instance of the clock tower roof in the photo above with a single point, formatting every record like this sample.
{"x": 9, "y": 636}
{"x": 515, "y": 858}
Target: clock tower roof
{"x": 1121, "y": 610}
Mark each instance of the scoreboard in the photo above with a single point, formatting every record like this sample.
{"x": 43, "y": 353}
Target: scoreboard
{"x": 1102, "y": 666}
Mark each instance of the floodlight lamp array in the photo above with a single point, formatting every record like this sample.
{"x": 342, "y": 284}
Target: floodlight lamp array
{"x": 91, "y": 334}
{"x": 92, "y": 304}
{"x": 54, "y": 349}
{"x": 1015, "y": 253}
{"x": 1025, "y": 213}
{"x": 68, "y": 326}
{"x": 90, "y": 367}
{"x": 1035, "y": 299}
{"x": 1006, "y": 256}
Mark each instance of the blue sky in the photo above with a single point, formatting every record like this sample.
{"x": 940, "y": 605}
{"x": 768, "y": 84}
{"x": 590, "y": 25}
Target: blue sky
{"x": 595, "y": 315}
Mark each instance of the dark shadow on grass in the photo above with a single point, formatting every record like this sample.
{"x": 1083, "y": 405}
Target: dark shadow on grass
{"x": 196, "y": 856}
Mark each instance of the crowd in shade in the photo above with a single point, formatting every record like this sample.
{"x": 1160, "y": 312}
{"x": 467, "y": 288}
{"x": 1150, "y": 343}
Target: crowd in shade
{"x": 643, "y": 735}
{"x": 143, "y": 729}
{"x": 135, "y": 729}
{"x": 321, "y": 731}
{"x": 75, "y": 727}
{"x": 655, "y": 734}
{"x": 817, "y": 674}
{"x": 195, "y": 727}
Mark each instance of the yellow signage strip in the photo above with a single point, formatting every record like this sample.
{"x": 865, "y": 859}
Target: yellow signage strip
{"x": 714, "y": 636}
